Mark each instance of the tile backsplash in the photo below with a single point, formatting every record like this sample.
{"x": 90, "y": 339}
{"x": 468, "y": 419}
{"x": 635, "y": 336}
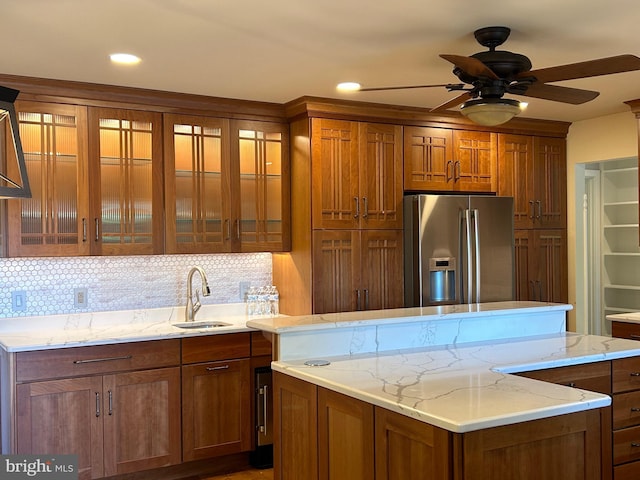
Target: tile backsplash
{"x": 124, "y": 283}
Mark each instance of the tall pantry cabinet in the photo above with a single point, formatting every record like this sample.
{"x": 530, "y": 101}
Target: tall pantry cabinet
{"x": 346, "y": 218}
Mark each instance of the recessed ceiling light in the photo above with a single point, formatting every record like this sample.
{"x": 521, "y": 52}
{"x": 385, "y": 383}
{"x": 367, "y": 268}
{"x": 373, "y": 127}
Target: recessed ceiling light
{"x": 124, "y": 58}
{"x": 348, "y": 86}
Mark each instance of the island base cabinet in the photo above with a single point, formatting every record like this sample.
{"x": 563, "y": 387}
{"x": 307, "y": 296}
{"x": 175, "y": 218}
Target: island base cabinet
{"x": 321, "y": 434}
{"x": 555, "y": 448}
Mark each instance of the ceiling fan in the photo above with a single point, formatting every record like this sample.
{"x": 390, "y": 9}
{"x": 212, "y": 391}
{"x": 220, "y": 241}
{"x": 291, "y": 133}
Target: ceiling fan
{"x": 487, "y": 76}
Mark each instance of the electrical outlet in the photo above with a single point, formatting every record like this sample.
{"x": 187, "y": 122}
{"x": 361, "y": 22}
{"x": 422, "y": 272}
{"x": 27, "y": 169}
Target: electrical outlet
{"x": 19, "y": 301}
{"x": 80, "y": 298}
{"x": 244, "y": 286}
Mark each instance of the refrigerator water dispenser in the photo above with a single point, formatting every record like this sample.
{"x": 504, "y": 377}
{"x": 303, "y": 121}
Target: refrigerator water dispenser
{"x": 442, "y": 279}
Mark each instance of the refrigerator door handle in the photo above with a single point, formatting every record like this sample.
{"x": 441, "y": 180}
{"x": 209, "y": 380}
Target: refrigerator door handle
{"x": 467, "y": 218}
{"x": 476, "y": 237}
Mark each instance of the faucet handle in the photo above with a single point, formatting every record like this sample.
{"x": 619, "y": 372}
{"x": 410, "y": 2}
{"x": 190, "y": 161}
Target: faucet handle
{"x": 197, "y": 305}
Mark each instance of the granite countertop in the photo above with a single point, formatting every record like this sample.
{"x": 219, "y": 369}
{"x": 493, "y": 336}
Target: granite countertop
{"x": 470, "y": 386}
{"x": 98, "y": 328}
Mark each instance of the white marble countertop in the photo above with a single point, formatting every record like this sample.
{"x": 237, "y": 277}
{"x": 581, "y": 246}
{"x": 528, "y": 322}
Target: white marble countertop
{"x": 631, "y": 317}
{"x": 302, "y": 323}
{"x": 98, "y": 328}
{"x": 470, "y": 386}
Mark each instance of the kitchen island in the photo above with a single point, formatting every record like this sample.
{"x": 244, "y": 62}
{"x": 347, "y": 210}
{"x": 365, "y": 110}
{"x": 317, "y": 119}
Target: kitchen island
{"x": 442, "y": 390}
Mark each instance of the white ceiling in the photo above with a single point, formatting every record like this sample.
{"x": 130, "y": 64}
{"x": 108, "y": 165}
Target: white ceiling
{"x": 279, "y": 50}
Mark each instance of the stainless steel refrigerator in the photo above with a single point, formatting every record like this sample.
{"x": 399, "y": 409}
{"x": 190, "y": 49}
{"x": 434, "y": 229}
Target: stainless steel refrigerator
{"x": 458, "y": 249}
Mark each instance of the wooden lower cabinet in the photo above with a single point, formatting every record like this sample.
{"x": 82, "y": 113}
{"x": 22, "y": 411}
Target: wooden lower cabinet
{"x": 116, "y": 424}
{"x": 216, "y": 395}
{"x": 322, "y": 434}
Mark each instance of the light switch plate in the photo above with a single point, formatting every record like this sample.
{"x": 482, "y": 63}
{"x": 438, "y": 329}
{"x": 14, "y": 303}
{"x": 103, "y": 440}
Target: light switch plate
{"x": 19, "y": 301}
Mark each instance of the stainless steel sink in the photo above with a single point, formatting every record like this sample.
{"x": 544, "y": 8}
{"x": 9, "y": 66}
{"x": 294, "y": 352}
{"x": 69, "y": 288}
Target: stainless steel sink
{"x": 202, "y": 324}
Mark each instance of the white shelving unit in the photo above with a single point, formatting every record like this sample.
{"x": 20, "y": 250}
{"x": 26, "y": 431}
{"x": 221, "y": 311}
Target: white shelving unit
{"x": 619, "y": 246}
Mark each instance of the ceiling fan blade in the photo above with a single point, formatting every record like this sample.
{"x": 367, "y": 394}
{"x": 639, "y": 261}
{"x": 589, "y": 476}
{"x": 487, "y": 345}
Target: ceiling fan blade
{"x": 574, "y": 96}
{"x": 471, "y": 65}
{"x": 590, "y": 68}
{"x": 453, "y": 102}
{"x": 454, "y": 86}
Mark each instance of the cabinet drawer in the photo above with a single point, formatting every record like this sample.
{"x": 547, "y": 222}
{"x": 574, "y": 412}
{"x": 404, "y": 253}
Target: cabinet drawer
{"x": 626, "y": 409}
{"x": 216, "y": 347}
{"x": 595, "y": 377}
{"x": 628, "y": 471}
{"x": 626, "y": 445}
{"x": 625, "y": 330}
{"x": 99, "y": 359}
{"x": 626, "y": 374}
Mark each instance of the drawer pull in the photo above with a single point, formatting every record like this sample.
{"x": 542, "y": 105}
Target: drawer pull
{"x": 635, "y": 444}
{"x": 635, "y": 374}
{"x": 635, "y": 336}
{"x": 571, "y": 384}
{"x": 107, "y": 359}
{"x": 221, "y": 367}
{"x": 97, "y": 404}
{"x": 635, "y": 409}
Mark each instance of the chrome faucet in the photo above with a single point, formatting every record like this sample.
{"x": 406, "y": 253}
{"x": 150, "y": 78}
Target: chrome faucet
{"x": 192, "y": 308}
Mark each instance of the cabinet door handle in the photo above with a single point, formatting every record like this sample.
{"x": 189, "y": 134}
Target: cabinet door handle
{"x": 221, "y": 367}
{"x": 110, "y": 402}
{"x": 365, "y": 211}
{"x": 456, "y": 171}
{"x": 228, "y": 224}
{"x": 357, "y": 204}
{"x": 539, "y": 215}
{"x": 106, "y": 359}
{"x": 532, "y": 209}
{"x": 84, "y": 229}
{"x": 366, "y": 299}
{"x": 97, "y": 223}
{"x": 237, "y": 229}
{"x": 97, "y": 404}
{"x": 446, "y": 173}
{"x": 358, "y": 300}
{"x": 265, "y": 408}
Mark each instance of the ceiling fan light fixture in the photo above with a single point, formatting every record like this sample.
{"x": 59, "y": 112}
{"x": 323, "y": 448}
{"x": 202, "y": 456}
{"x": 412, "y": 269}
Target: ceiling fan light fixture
{"x": 16, "y": 187}
{"x": 490, "y": 111}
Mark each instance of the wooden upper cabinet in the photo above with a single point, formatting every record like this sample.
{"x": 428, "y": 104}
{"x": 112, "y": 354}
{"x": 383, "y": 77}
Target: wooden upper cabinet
{"x": 54, "y": 221}
{"x": 125, "y": 167}
{"x": 533, "y": 171}
{"x": 197, "y": 175}
{"x": 260, "y": 186}
{"x": 440, "y": 159}
{"x": 357, "y": 174}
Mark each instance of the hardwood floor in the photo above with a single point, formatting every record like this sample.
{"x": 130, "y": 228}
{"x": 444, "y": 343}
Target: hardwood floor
{"x": 246, "y": 475}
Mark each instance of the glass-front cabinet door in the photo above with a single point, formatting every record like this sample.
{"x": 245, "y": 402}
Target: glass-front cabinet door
{"x": 55, "y": 220}
{"x": 125, "y": 152}
{"x": 262, "y": 205}
{"x": 197, "y": 185}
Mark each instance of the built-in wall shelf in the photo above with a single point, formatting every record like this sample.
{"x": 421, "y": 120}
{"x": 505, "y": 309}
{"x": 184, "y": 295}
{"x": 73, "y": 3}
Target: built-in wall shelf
{"x": 620, "y": 252}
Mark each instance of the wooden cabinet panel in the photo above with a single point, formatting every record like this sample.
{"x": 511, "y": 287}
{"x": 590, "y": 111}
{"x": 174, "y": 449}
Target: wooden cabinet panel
{"x": 627, "y": 330}
{"x": 536, "y": 449}
{"x": 380, "y": 176}
{"x": 626, "y": 374}
{"x": 626, "y": 445}
{"x": 54, "y": 221}
{"x": 125, "y": 168}
{"x": 541, "y": 265}
{"x": 626, "y": 409}
{"x": 357, "y": 270}
{"x": 595, "y": 377}
{"x": 516, "y": 176}
{"x": 295, "y": 449}
{"x": 216, "y": 409}
{"x": 141, "y": 420}
{"x": 439, "y": 159}
{"x": 628, "y": 471}
{"x": 99, "y": 359}
{"x": 550, "y": 184}
{"x": 345, "y": 437}
{"x": 208, "y": 348}
{"x": 65, "y": 417}
{"x": 335, "y": 174}
{"x": 407, "y": 449}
